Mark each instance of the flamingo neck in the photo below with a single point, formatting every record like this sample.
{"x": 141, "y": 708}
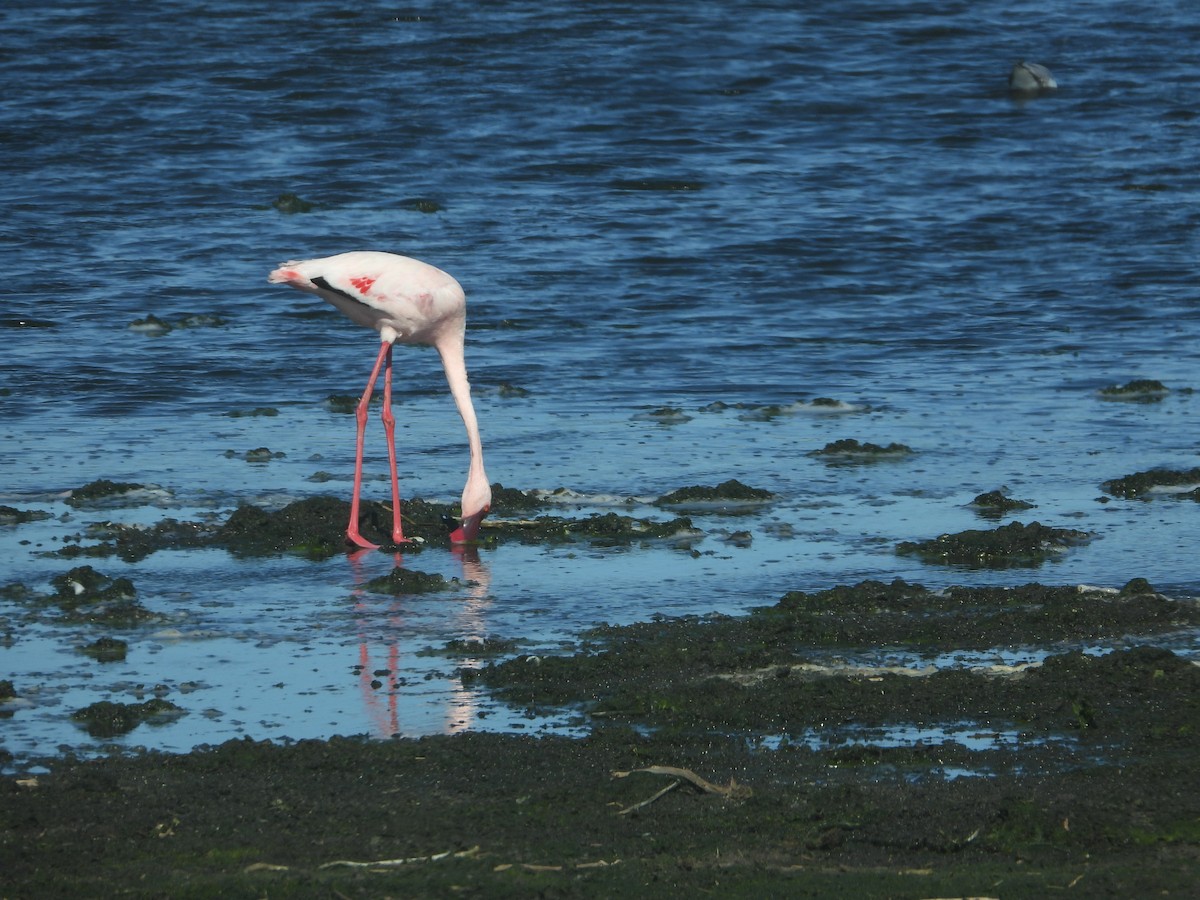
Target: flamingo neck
{"x": 477, "y": 494}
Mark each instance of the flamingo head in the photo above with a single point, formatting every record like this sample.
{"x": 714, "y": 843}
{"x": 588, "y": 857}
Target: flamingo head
{"x": 476, "y": 503}
{"x": 468, "y": 529}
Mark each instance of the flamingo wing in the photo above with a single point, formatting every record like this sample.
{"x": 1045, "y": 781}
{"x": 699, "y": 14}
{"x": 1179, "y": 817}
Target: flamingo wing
{"x": 377, "y": 289}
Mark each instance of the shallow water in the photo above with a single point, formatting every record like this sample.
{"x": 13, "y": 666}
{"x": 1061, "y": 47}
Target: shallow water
{"x": 695, "y": 207}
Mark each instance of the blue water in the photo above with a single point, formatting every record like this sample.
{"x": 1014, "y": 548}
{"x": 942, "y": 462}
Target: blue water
{"x": 709, "y": 207}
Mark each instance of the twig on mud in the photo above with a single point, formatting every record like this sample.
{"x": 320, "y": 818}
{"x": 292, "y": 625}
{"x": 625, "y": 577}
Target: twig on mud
{"x": 670, "y": 787}
{"x": 732, "y": 791}
{"x": 264, "y": 867}
{"x": 406, "y": 861}
{"x": 536, "y": 867}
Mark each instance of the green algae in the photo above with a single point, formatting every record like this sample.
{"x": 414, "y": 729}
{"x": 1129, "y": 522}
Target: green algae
{"x": 757, "y": 673}
{"x": 1016, "y": 544}
{"x": 85, "y": 595}
{"x": 1099, "y": 791}
{"x": 424, "y": 205}
{"x": 106, "y": 649}
{"x": 111, "y": 493}
{"x": 727, "y": 496}
{"x": 132, "y": 543}
{"x": 1143, "y": 484}
{"x": 315, "y": 527}
{"x": 409, "y": 581}
{"x": 1140, "y": 390}
{"x": 10, "y": 515}
{"x": 458, "y": 648}
{"x": 995, "y": 504}
{"x": 258, "y": 411}
{"x": 109, "y": 719}
{"x": 290, "y": 204}
{"x": 502, "y": 815}
{"x": 849, "y": 450}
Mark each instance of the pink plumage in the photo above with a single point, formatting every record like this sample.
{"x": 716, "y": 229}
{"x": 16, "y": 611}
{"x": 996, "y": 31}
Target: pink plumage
{"x": 409, "y": 302}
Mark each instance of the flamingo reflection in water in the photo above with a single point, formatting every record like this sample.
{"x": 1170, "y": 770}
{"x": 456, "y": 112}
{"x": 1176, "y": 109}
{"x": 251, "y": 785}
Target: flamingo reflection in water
{"x": 381, "y": 660}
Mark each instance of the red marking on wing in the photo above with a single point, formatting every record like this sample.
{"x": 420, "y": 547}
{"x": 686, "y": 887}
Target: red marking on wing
{"x": 362, "y": 282}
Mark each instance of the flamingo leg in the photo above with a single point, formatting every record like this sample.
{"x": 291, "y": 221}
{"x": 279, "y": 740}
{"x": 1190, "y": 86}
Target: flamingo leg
{"x": 389, "y": 428}
{"x": 360, "y": 414}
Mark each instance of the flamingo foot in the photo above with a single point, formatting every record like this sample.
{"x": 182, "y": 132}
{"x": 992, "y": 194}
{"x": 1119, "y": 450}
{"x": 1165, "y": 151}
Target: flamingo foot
{"x": 398, "y": 530}
{"x": 353, "y": 537}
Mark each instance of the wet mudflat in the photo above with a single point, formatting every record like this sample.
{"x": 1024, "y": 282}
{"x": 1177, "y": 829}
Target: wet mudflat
{"x": 745, "y": 755}
{"x": 497, "y": 815}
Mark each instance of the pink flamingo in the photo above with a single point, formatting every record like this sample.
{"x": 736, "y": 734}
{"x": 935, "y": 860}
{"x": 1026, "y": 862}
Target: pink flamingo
{"x": 412, "y": 302}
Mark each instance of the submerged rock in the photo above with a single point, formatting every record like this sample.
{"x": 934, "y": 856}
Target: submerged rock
{"x": 10, "y": 515}
{"x": 610, "y": 529}
{"x": 108, "y": 719}
{"x": 135, "y": 542}
{"x": 994, "y": 504}
{"x": 851, "y": 450}
{"x": 473, "y": 647}
{"x": 290, "y": 204}
{"x": 151, "y": 325}
{"x": 605, "y": 529}
{"x": 664, "y": 415}
{"x": 1142, "y": 390}
{"x": 345, "y": 404}
{"x": 257, "y": 411}
{"x": 1014, "y": 544}
{"x": 511, "y": 391}
{"x": 86, "y": 595}
{"x": 771, "y": 411}
{"x": 728, "y": 497}
{"x": 508, "y": 501}
{"x": 106, "y": 649}
{"x": 315, "y": 527}
{"x": 410, "y": 581}
{"x": 1030, "y": 78}
{"x": 84, "y": 587}
{"x": 425, "y": 205}
{"x": 8, "y": 698}
{"x": 1142, "y": 484}
{"x": 200, "y": 320}
{"x": 105, "y": 494}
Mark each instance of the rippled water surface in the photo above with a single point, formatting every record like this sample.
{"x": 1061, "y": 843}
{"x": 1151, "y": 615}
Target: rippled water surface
{"x": 713, "y": 208}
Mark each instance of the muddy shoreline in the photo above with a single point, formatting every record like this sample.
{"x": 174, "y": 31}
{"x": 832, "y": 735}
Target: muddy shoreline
{"x": 747, "y": 756}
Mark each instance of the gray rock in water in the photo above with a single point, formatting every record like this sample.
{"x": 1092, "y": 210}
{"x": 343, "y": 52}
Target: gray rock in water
{"x": 1030, "y": 78}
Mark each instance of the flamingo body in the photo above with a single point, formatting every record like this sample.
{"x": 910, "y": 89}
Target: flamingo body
{"x": 409, "y": 302}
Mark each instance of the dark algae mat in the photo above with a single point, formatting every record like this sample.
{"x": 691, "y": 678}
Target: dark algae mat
{"x": 730, "y": 756}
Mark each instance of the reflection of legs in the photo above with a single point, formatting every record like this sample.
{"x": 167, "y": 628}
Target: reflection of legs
{"x": 389, "y": 428}
{"x": 360, "y": 414}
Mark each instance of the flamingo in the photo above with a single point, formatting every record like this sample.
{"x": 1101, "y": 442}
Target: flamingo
{"x": 412, "y": 302}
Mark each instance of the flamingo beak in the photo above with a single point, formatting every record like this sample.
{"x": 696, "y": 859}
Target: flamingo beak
{"x": 469, "y": 529}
